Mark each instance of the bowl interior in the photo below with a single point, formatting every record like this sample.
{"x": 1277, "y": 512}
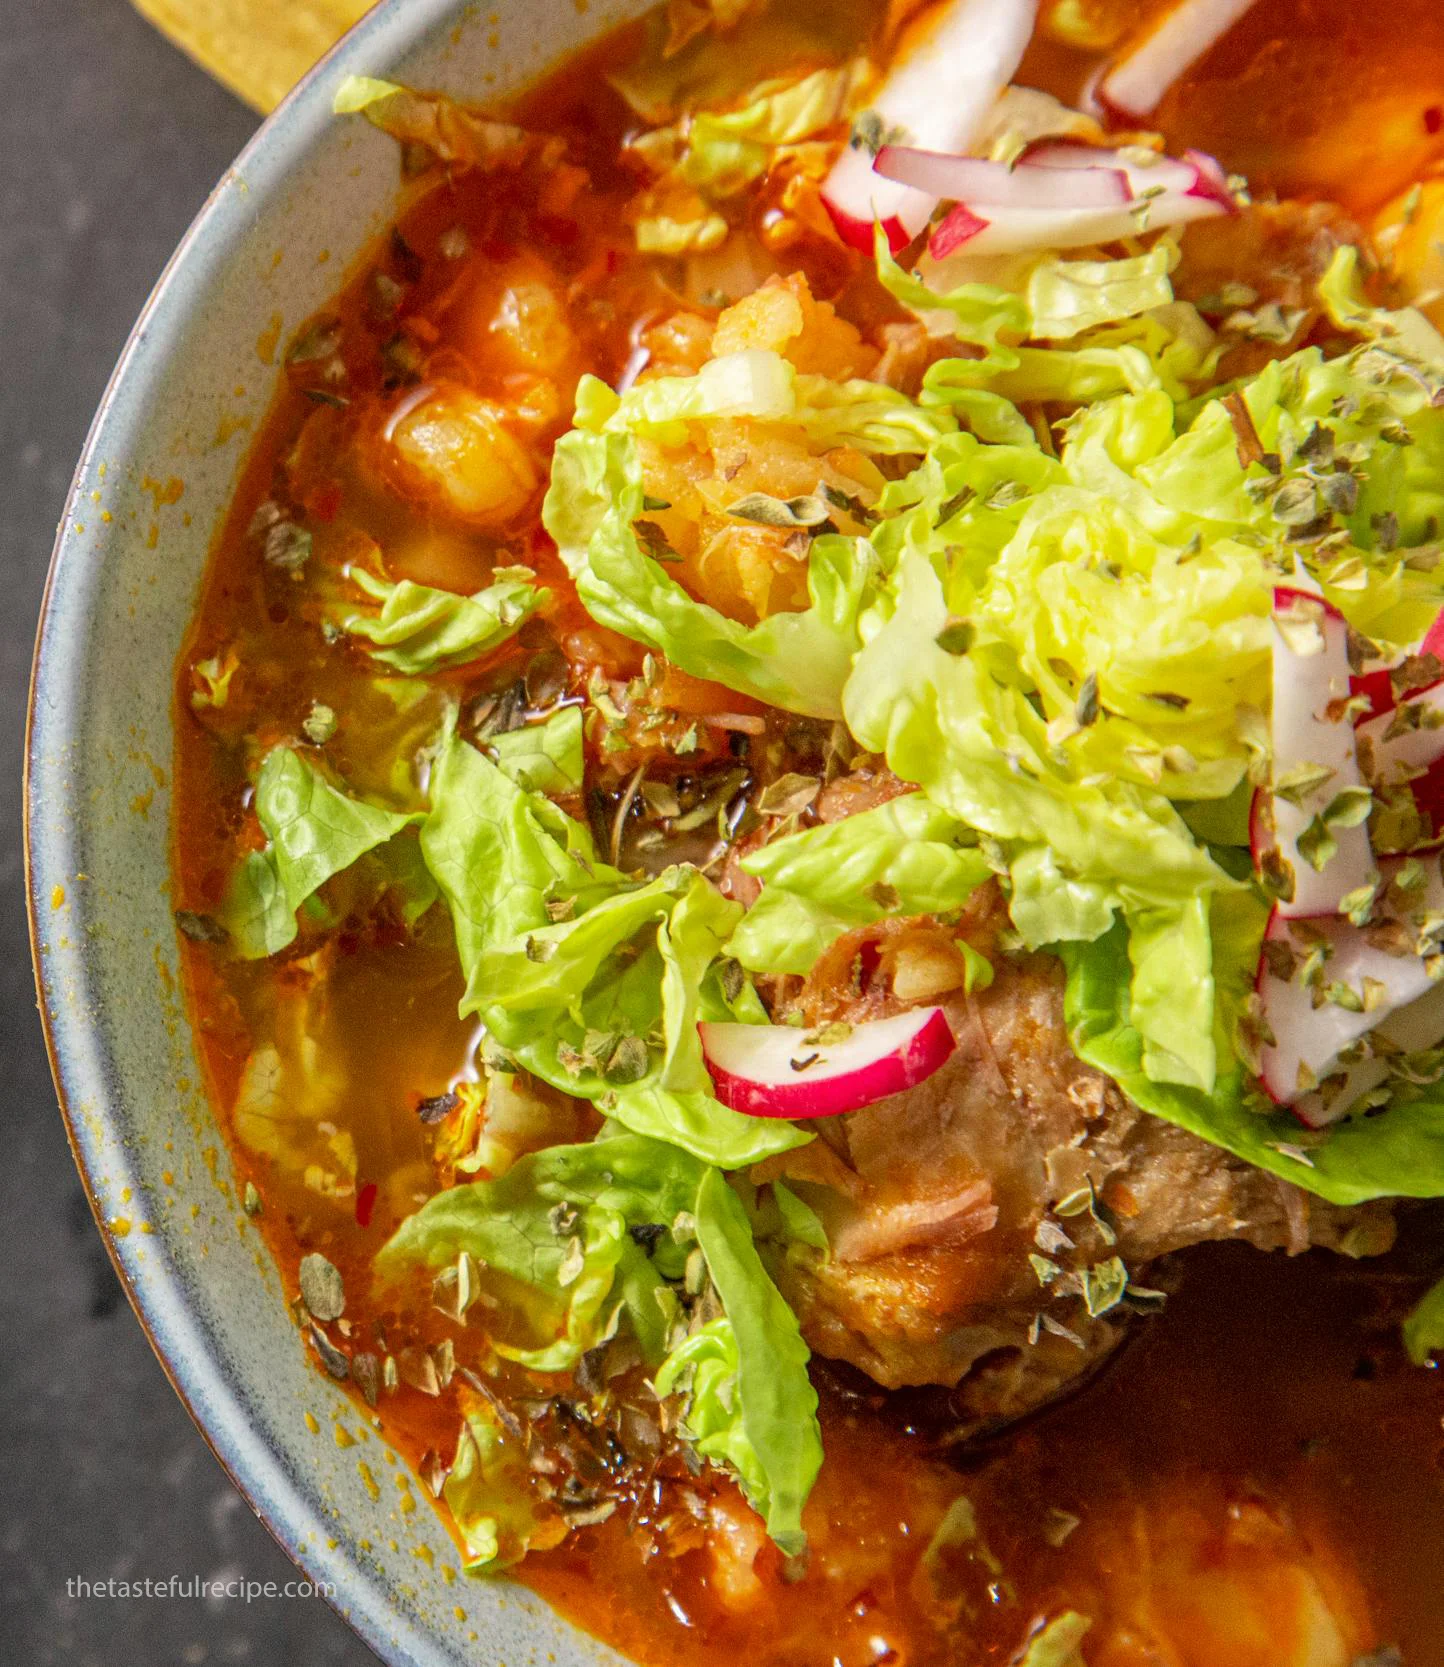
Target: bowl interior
{"x": 272, "y": 245}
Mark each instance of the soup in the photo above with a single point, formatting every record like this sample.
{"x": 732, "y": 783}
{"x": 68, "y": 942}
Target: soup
{"x": 876, "y": 778}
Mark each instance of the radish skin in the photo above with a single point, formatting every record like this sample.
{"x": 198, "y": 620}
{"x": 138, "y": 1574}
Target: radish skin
{"x": 1014, "y": 230}
{"x": 939, "y": 93}
{"x": 787, "y": 1071}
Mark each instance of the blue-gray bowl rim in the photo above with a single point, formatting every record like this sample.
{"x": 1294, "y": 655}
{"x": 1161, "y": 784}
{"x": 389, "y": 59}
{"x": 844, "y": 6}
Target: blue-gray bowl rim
{"x": 157, "y": 1296}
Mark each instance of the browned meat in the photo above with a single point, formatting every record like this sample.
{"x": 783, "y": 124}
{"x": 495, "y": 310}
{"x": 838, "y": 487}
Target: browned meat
{"x": 935, "y": 1199}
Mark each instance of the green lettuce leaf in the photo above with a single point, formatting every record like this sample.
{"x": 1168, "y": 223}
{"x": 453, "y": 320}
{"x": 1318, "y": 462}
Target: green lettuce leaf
{"x": 758, "y": 1409}
{"x": 712, "y": 155}
{"x": 1406, "y": 333}
{"x": 1066, "y": 297}
{"x": 547, "y": 757}
{"x": 557, "y": 1224}
{"x": 798, "y": 661}
{"x": 489, "y": 1492}
{"x": 500, "y": 854}
{"x": 794, "y": 660}
{"x": 1397, "y": 1152}
{"x": 419, "y": 629}
{"x": 905, "y": 857}
{"x": 1059, "y": 1644}
{"x": 583, "y": 977}
{"x": 1424, "y": 1329}
{"x": 1125, "y": 331}
{"x": 682, "y": 65}
{"x": 606, "y": 1005}
{"x": 981, "y": 751}
{"x": 760, "y": 384}
{"x": 802, "y": 1224}
{"x": 453, "y": 133}
{"x": 314, "y": 831}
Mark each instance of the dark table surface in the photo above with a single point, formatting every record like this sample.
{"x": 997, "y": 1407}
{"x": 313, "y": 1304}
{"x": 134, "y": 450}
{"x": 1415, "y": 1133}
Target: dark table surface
{"x": 111, "y": 140}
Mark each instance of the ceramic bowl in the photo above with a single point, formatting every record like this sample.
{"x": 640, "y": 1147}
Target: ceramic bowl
{"x": 194, "y": 383}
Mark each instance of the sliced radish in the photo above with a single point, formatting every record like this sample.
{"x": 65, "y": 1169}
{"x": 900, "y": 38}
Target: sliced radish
{"x": 1310, "y": 697}
{"x": 995, "y": 184}
{"x": 939, "y": 93}
{"x": 1311, "y": 1028}
{"x": 1012, "y": 231}
{"x": 1392, "y": 759}
{"x": 1167, "y": 173}
{"x": 1412, "y": 1029}
{"x": 1194, "y": 174}
{"x": 1167, "y": 192}
{"x": 1137, "y": 83}
{"x": 786, "y": 1071}
{"x": 1377, "y": 687}
{"x": 1374, "y": 682}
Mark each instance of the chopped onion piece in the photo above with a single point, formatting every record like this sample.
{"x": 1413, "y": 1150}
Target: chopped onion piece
{"x": 1137, "y": 83}
{"x": 939, "y": 94}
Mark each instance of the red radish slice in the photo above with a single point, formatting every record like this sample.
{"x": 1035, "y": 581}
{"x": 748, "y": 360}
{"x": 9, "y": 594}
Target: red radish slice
{"x": 1137, "y": 84}
{"x": 939, "y": 92}
{"x": 785, "y": 1071}
{"x": 1377, "y": 687}
{"x": 1393, "y": 759}
{"x": 995, "y": 185}
{"x": 1194, "y": 174}
{"x": 1412, "y": 1029}
{"x": 1374, "y": 682}
{"x": 1167, "y": 172}
{"x": 1013, "y": 230}
{"x": 1310, "y": 1033}
{"x": 960, "y": 225}
{"x": 1310, "y": 695}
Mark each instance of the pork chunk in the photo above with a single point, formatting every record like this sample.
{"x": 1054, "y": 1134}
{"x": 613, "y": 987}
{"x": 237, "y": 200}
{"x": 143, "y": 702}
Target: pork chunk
{"x": 935, "y": 1199}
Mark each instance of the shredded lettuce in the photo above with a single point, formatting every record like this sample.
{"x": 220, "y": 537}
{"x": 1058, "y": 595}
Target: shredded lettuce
{"x": 1405, "y": 333}
{"x": 1397, "y": 1152}
{"x": 798, "y": 661}
{"x": 557, "y": 1224}
{"x": 1125, "y": 331}
{"x": 314, "y": 831}
{"x": 419, "y": 629}
{"x": 906, "y": 857}
{"x": 501, "y": 854}
{"x": 1424, "y": 1328}
{"x": 587, "y": 979}
{"x": 489, "y": 1491}
{"x": 454, "y": 134}
{"x": 547, "y": 757}
{"x": 707, "y": 157}
{"x": 756, "y": 1408}
{"x": 981, "y": 751}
